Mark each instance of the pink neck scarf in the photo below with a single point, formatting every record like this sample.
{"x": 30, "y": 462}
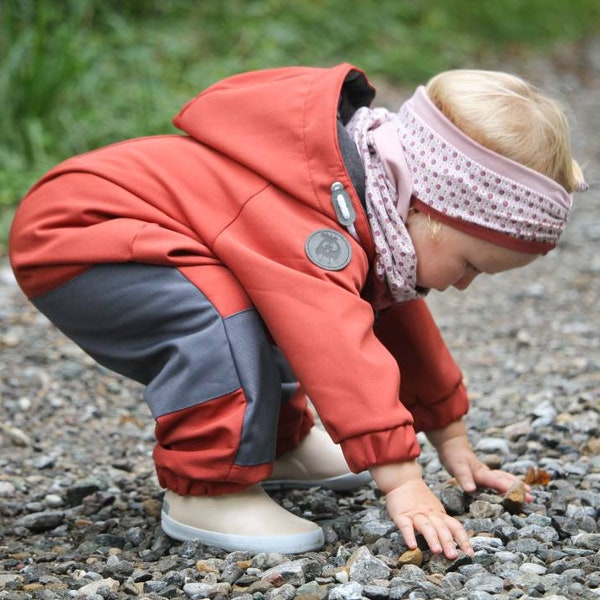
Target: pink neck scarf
{"x": 388, "y": 192}
{"x": 418, "y": 157}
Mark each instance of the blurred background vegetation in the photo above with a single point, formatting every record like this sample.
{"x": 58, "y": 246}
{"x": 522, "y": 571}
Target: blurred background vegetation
{"x": 77, "y": 74}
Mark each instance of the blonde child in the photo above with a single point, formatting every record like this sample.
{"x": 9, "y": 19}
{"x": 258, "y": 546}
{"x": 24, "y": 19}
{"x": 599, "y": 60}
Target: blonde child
{"x": 281, "y": 249}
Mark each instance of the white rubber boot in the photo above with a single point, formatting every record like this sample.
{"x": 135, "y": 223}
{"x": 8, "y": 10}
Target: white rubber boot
{"x": 316, "y": 461}
{"x": 248, "y": 520}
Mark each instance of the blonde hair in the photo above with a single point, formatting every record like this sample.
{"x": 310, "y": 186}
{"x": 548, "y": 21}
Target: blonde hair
{"x": 511, "y": 117}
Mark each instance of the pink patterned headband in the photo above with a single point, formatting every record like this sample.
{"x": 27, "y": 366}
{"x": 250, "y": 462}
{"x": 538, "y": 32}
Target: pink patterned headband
{"x": 474, "y": 189}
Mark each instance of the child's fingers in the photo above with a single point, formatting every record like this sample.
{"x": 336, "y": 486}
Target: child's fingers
{"x": 441, "y": 532}
{"x": 451, "y": 533}
{"x": 497, "y": 480}
{"x": 460, "y": 535}
{"x": 406, "y": 528}
{"x": 428, "y": 528}
{"x": 464, "y": 476}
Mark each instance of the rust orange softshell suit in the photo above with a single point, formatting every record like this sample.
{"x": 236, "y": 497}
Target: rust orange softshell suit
{"x": 240, "y": 193}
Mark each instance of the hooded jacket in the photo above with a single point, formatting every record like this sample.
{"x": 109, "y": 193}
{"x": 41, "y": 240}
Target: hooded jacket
{"x": 246, "y": 187}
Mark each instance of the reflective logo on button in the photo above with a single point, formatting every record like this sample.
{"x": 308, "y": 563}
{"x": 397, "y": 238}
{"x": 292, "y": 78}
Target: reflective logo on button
{"x": 328, "y": 249}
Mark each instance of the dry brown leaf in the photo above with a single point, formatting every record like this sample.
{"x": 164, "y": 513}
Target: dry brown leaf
{"x": 537, "y": 477}
{"x": 131, "y": 419}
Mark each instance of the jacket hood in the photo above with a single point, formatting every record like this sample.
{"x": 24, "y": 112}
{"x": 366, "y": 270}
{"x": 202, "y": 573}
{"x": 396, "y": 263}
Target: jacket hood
{"x": 282, "y": 125}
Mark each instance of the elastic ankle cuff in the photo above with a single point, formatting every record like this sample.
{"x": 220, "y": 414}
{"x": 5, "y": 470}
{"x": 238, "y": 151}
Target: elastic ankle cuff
{"x": 238, "y": 479}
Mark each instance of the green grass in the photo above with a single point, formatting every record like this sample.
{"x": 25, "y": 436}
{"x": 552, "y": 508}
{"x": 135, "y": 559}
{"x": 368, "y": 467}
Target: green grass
{"x": 77, "y": 74}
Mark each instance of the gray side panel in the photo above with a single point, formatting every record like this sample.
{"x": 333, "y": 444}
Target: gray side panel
{"x": 261, "y": 380}
{"x": 151, "y": 324}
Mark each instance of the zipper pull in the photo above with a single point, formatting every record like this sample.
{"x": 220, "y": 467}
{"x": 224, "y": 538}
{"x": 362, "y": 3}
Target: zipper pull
{"x": 342, "y": 205}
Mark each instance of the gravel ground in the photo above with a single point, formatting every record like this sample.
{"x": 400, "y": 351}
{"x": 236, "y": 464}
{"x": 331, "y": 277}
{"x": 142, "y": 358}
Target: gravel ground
{"x": 79, "y": 504}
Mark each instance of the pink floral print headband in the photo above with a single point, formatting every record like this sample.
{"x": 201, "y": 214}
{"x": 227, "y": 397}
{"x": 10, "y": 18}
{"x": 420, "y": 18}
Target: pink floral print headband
{"x": 460, "y": 182}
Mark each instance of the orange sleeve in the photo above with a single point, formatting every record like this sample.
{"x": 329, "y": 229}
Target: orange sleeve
{"x": 432, "y": 386}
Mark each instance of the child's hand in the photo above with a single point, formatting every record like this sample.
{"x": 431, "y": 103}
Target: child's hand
{"x": 458, "y": 458}
{"x": 414, "y": 508}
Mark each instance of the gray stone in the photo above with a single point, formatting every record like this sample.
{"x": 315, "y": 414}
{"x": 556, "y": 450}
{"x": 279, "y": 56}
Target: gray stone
{"x": 485, "y": 582}
{"x": 453, "y": 499}
{"x": 591, "y": 498}
{"x": 505, "y": 556}
{"x": 401, "y": 592}
{"x": 543, "y": 534}
{"x": 575, "y": 511}
{"x": 578, "y": 590}
{"x": 488, "y": 444}
{"x": 41, "y": 521}
{"x": 118, "y": 569}
{"x": 471, "y": 570}
{"x": 346, "y": 591}
{"x": 565, "y": 526}
{"x": 196, "y": 589}
{"x": 83, "y": 488}
{"x": 286, "y": 592}
{"x": 587, "y": 524}
{"x": 155, "y": 586}
{"x": 286, "y": 572}
{"x": 517, "y": 430}
{"x": 110, "y": 540}
{"x": 452, "y": 582}
{"x": 480, "y": 509}
{"x": 312, "y": 590}
{"x": 7, "y": 489}
{"x": 231, "y": 572}
{"x": 519, "y": 466}
{"x": 376, "y": 592}
{"x": 53, "y": 501}
{"x": 364, "y": 567}
{"x": 101, "y": 586}
{"x": 482, "y": 595}
{"x": 573, "y": 575}
{"x": 410, "y": 574}
{"x": 488, "y": 544}
{"x": 541, "y": 520}
{"x": 7, "y": 580}
{"x": 533, "y": 569}
{"x": 135, "y": 535}
{"x": 266, "y": 560}
{"x": 589, "y": 541}
{"x": 372, "y": 530}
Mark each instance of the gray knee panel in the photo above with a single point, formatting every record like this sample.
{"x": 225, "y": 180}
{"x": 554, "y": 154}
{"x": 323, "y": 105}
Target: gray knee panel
{"x": 153, "y": 325}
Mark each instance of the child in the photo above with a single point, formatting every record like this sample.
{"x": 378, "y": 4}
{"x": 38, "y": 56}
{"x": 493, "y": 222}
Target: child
{"x": 290, "y": 236}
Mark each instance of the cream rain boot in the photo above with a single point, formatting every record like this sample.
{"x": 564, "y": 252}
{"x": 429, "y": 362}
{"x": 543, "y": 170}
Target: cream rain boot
{"x": 248, "y": 520}
{"x": 316, "y": 461}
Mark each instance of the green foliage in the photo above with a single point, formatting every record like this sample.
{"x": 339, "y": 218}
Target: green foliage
{"x": 77, "y": 74}
{"x": 403, "y": 40}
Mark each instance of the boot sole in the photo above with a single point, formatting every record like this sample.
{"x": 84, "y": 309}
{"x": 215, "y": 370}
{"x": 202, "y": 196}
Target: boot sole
{"x": 341, "y": 483}
{"x": 283, "y": 544}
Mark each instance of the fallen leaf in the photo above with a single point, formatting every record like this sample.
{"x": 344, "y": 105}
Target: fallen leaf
{"x": 537, "y": 477}
{"x": 131, "y": 419}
